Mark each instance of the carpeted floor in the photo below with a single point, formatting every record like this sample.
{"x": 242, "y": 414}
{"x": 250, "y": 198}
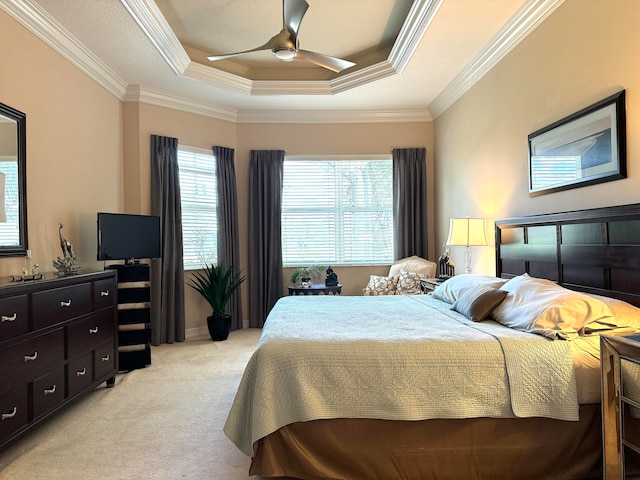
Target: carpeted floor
{"x": 161, "y": 422}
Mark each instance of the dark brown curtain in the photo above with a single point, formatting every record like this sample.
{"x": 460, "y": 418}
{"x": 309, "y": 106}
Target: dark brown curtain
{"x": 410, "y": 202}
{"x": 228, "y": 239}
{"x": 167, "y": 273}
{"x": 265, "y": 227}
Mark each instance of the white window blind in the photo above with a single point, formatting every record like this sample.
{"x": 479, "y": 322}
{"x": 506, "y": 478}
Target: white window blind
{"x": 199, "y": 200}
{"x": 337, "y": 211}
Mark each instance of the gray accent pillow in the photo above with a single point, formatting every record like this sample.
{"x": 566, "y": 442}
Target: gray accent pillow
{"x": 453, "y": 288}
{"x": 478, "y": 303}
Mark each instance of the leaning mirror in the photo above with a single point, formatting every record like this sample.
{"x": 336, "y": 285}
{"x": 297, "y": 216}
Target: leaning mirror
{"x": 13, "y": 195}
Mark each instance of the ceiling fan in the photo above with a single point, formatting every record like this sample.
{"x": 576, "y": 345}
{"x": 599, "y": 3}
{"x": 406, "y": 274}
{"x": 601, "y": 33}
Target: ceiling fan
{"x": 284, "y": 45}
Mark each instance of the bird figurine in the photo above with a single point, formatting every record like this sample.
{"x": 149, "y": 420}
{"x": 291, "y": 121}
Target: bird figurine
{"x": 65, "y": 245}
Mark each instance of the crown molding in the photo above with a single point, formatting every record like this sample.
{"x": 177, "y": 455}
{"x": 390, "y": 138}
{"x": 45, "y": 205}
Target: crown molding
{"x": 140, "y": 94}
{"x": 526, "y": 19}
{"x": 204, "y": 73}
{"x": 415, "y": 26}
{"x": 333, "y": 116}
{"x": 45, "y": 27}
{"x": 147, "y": 14}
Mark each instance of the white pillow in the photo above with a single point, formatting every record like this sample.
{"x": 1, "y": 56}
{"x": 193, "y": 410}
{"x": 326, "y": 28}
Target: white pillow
{"x": 541, "y": 306}
{"x": 381, "y": 285}
{"x": 624, "y": 314}
{"x": 413, "y": 264}
{"x": 452, "y": 289}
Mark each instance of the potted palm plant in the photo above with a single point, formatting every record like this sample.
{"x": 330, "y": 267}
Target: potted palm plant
{"x": 217, "y": 283}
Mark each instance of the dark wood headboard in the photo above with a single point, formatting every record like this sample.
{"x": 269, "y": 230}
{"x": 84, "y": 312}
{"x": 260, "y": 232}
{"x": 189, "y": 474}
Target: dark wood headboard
{"x": 595, "y": 250}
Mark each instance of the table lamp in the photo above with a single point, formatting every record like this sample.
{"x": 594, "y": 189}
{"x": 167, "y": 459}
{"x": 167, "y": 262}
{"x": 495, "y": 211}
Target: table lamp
{"x": 467, "y": 232}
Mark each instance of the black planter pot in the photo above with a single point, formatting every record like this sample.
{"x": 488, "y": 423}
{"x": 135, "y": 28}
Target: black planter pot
{"x": 219, "y": 325}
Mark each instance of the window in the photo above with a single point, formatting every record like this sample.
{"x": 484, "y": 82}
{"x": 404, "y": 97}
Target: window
{"x": 337, "y": 210}
{"x": 9, "y": 231}
{"x": 199, "y": 199}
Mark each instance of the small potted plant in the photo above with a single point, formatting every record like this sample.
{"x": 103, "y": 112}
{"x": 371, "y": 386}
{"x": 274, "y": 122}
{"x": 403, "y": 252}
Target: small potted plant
{"x": 217, "y": 283}
{"x": 304, "y": 274}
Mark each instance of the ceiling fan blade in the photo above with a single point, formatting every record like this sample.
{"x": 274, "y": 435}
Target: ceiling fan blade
{"x": 271, "y": 44}
{"x": 331, "y": 63}
{"x": 293, "y": 11}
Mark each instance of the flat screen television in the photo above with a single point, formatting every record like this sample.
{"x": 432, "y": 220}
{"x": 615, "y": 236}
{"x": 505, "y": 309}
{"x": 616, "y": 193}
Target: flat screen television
{"x": 123, "y": 236}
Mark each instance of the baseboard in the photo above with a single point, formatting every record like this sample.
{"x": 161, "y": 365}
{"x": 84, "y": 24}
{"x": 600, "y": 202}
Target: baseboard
{"x": 197, "y": 333}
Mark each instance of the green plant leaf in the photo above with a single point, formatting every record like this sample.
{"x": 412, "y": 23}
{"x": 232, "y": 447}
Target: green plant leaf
{"x": 216, "y": 284}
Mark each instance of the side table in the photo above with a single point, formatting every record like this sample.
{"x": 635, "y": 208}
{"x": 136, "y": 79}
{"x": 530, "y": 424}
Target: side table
{"x": 620, "y": 366}
{"x": 428, "y": 285}
{"x": 315, "y": 289}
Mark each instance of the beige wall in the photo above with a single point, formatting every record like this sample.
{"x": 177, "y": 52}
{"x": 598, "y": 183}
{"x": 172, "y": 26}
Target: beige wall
{"x": 142, "y": 120}
{"x": 338, "y": 139}
{"x": 585, "y": 51}
{"x": 74, "y": 147}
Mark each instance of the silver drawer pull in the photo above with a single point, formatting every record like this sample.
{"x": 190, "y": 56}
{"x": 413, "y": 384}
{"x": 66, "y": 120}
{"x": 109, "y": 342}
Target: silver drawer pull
{"x": 6, "y": 416}
{"x": 29, "y": 358}
{"x": 106, "y": 358}
{"x": 93, "y": 330}
{"x": 12, "y": 318}
{"x": 104, "y": 293}
{"x": 65, "y": 304}
{"x": 49, "y": 391}
{"x": 81, "y": 372}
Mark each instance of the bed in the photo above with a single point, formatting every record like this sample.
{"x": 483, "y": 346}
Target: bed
{"x": 405, "y": 387}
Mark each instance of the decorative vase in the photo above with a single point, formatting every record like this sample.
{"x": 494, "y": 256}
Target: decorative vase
{"x": 305, "y": 282}
{"x": 219, "y": 325}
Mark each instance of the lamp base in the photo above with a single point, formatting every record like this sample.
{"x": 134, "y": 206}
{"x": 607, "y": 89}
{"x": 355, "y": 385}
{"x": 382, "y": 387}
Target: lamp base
{"x": 467, "y": 259}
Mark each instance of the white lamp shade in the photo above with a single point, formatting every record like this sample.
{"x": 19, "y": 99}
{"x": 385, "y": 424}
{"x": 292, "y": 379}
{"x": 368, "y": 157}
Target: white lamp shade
{"x": 467, "y": 232}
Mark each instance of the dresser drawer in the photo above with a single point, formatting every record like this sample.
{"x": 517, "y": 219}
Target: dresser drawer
{"x": 104, "y": 359}
{"x": 13, "y": 412}
{"x": 60, "y": 304}
{"x": 48, "y": 392}
{"x": 27, "y": 360}
{"x": 14, "y": 317}
{"x": 86, "y": 334}
{"x": 79, "y": 374}
{"x": 104, "y": 293}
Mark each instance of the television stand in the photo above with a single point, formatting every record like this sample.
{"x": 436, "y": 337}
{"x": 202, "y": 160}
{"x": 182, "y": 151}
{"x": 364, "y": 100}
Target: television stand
{"x": 134, "y": 315}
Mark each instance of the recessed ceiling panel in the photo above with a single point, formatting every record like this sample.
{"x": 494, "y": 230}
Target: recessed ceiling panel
{"x": 362, "y": 33}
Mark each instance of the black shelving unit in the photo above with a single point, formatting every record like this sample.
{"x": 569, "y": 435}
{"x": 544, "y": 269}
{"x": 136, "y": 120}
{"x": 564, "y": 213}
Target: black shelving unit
{"x": 134, "y": 316}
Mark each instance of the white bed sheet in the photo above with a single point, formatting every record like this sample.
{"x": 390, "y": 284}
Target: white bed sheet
{"x": 396, "y": 358}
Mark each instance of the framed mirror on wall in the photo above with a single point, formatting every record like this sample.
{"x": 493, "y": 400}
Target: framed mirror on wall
{"x": 13, "y": 181}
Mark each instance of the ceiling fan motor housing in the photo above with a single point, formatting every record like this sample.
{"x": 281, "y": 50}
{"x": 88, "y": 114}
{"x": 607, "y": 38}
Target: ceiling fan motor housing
{"x": 287, "y": 48}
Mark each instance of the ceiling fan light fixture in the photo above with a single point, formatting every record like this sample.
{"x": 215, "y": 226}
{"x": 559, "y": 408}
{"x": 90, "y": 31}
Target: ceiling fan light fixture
{"x": 285, "y": 54}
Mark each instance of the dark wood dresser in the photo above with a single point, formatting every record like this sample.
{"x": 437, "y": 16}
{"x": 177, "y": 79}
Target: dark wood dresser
{"x": 58, "y": 340}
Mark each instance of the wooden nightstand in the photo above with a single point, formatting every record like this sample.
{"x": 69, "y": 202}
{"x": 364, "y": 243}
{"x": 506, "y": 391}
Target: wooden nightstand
{"x": 620, "y": 367}
{"x": 428, "y": 285}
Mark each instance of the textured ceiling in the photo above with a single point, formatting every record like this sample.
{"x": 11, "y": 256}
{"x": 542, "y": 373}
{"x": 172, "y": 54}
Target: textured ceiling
{"x": 147, "y": 50}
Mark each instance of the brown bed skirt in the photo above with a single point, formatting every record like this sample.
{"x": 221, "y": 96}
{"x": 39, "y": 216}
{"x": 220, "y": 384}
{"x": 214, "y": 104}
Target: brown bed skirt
{"x": 480, "y": 448}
